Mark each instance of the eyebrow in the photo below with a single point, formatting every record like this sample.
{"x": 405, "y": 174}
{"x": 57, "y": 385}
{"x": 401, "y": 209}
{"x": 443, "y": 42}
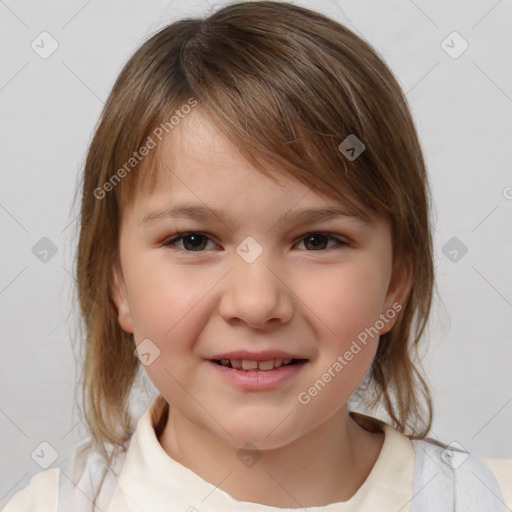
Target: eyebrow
{"x": 200, "y": 212}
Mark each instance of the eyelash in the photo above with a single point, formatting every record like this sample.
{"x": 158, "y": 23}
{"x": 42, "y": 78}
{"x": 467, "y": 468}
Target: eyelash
{"x": 170, "y": 242}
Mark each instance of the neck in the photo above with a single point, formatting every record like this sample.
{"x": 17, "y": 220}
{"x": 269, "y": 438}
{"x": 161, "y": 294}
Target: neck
{"x": 327, "y": 465}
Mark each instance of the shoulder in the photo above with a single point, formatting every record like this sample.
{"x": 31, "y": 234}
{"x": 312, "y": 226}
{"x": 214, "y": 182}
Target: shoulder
{"x": 502, "y": 470}
{"x": 71, "y": 486}
{"x": 470, "y": 477}
{"x": 89, "y": 477}
{"x": 40, "y": 495}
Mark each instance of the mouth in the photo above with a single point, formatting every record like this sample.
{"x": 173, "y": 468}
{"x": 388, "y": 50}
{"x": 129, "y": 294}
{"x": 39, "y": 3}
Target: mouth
{"x": 256, "y": 372}
{"x": 251, "y": 365}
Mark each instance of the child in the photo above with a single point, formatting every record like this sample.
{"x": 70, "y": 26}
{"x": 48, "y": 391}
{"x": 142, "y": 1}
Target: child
{"x": 261, "y": 131}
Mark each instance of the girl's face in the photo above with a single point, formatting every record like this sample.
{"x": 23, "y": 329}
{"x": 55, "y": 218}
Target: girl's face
{"x": 256, "y": 282}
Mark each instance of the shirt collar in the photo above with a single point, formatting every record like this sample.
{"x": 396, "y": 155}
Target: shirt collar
{"x": 152, "y": 480}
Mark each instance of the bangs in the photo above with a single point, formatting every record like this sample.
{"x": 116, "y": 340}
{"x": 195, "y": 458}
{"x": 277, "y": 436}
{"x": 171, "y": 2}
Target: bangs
{"x": 284, "y": 110}
{"x": 300, "y": 158}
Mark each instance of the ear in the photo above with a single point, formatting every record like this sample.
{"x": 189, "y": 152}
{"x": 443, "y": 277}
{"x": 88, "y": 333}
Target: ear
{"x": 120, "y": 298}
{"x": 398, "y": 290}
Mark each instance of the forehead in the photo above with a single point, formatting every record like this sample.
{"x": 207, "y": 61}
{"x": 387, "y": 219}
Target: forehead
{"x": 196, "y": 159}
{"x": 199, "y": 173}
{"x": 199, "y": 150}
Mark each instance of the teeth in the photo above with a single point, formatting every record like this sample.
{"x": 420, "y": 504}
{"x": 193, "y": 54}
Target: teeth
{"x": 266, "y": 365}
{"x": 249, "y": 365}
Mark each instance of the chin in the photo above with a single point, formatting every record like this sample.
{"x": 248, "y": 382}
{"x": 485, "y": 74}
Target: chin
{"x": 262, "y": 430}
{"x": 260, "y": 440}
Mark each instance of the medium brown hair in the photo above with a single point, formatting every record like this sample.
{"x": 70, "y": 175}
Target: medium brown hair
{"x": 287, "y": 85}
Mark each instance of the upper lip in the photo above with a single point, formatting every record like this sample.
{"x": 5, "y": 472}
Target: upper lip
{"x": 264, "y": 355}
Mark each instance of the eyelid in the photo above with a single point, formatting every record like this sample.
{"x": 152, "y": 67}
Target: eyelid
{"x": 333, "y": 236}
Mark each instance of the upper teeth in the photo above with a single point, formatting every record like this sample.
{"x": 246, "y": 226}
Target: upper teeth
{"x": 248, "y": 364}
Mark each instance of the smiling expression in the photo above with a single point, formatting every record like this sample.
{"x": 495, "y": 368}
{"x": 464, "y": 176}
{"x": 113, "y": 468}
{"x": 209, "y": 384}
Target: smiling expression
{"x": 248, "y": 297}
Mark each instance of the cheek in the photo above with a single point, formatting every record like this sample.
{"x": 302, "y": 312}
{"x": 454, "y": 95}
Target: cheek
{"x": 163, "y": 312}
{"x": 162, "y": 298}
{"x": 168, "y": 308}
{"x": 345, "y": 301}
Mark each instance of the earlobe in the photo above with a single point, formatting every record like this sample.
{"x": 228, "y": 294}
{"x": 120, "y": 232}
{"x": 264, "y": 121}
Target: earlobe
{"x": 120, "y": 298}
{"x": 398, "y": 292}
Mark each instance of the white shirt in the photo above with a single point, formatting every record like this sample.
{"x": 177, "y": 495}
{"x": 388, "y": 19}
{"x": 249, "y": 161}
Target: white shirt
{"x": 150, "y": 480}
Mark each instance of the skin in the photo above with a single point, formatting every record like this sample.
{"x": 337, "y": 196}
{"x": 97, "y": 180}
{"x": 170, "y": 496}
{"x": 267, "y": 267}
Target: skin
{"x": 193, "y": 304}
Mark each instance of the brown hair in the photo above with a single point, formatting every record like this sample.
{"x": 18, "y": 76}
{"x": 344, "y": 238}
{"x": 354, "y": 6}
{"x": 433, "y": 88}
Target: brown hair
{"x": 287, "y": 85}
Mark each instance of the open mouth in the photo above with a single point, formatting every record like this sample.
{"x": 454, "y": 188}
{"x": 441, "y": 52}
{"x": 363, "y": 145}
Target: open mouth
{"x": 251, "y": 365}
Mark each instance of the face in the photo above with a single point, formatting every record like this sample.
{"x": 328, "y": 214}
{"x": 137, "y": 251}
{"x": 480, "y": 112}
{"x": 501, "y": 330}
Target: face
{"x": 221, "y": 303}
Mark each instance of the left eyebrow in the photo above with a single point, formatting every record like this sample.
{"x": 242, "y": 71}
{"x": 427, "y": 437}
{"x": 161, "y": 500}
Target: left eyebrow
{"x": 200, "y": 212}
{"x": 309, "y": 215}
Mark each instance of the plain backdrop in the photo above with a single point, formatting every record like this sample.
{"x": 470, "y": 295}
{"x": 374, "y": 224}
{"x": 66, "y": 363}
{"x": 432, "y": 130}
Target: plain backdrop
{"x": 461, "y": 100}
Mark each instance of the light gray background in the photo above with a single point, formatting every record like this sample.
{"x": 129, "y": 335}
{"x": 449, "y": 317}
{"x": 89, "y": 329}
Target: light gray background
{"x": 49, "y": 108}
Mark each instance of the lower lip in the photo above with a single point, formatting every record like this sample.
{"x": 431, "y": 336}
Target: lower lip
{"x": 258, "y": 380}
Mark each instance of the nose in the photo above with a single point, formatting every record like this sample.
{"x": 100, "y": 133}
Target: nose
{"x": 256, "y": 293}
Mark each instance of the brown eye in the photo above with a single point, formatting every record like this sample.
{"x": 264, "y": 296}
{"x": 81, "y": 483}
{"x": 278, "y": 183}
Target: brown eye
{"x": 317, "y": 241}
{"x": 192, "y": 242}
{"x": 197, "y": 242}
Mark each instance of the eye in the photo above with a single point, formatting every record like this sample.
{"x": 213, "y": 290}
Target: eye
{"x": 317, "y": 240}
{"x": 195, "y": 242}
